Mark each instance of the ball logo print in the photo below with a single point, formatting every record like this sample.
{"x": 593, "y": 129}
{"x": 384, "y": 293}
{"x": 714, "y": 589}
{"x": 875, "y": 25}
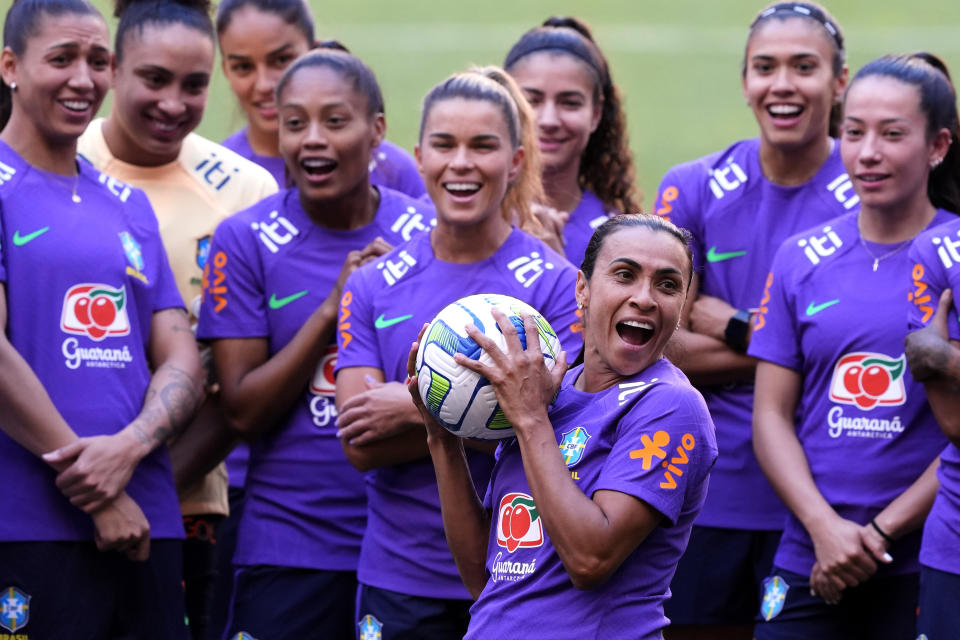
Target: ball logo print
{"x": 96, "y": 311}
{"x": 324, "y": 383}
{"x": 868, "y": 380}
{"x": 462, "y": 400}
{"x": 518, "y": 523}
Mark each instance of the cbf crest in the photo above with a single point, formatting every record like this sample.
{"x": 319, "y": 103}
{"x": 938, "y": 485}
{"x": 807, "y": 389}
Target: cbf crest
{"x": 132, "y": 248}
{"x": 370, "y": 628}
{"x": 16, "y": 609}
{"x": 203, "y": 251}
{"x": 774, "y": 596}
{"x": 573, "y": 445}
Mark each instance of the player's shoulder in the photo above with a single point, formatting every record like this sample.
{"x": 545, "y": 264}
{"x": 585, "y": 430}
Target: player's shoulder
{"x": 224, "y": 173}
{"x": 397, "y": 267}
{"x": 805, "y": 253}
{"x": 530, "y": 264}
{"x": 13, "y": 168}
{"x": 400, "y": 216}
{"x": 715, "y": 179}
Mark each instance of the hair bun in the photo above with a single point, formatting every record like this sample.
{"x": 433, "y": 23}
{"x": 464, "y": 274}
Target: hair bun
{"x": 569, "y": 22}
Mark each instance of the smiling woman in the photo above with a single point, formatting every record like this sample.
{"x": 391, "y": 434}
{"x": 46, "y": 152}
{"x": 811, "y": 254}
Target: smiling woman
{"x": 164, "y": 58}
{"x": 589, "y": 508}
{"x": 97, "y": 366}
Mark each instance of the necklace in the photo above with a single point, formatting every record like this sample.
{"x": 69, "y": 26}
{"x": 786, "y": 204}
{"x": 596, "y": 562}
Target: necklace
{"x": 878, "y": 259}
{"x": 76, "y": 182}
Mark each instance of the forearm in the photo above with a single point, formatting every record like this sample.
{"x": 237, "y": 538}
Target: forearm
{"x": 30, "y": 417}
{"x": 708, "y": 361}
{"x": 465, "y": 522}
{"x": 908, "y": 511}
{"x": 405, "y": 447}
{"x": 785, "y": 464}
{"x": 943, "y": 394}
{"x": 202, "y": 446}
{"x": 174, "y": 394}
{"x": 253, "y": 402}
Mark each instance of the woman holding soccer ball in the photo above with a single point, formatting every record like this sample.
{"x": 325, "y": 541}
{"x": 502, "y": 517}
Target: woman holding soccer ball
{"x": 478, "y": 157}
{"x": 589, "y": 508}
{"x": 841, "y": 428}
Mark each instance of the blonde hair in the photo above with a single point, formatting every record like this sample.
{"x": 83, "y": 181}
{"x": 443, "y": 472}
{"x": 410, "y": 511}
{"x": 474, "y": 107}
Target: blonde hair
{"x": 493, "y": 84}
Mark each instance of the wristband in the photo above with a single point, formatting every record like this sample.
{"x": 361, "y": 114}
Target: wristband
{"x": 738, "y": 328}
{"x": 883, "y": 534}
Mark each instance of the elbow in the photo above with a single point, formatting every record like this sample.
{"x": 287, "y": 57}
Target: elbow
{"x": 358, "y": 458}
{"x": 588, "y": 572}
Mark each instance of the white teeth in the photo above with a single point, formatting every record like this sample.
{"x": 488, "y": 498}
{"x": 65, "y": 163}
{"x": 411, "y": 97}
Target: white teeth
{"x": 784, "y": 109}
{"x": 462, "y": 186}
{"x": 163, "y": 126}
{"x": 638, "y": 325}
{"x": 316, "y": 163}
{"x": 77, "y": 105}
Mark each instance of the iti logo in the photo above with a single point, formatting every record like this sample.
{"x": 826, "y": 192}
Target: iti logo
{"x": 393, "y": 270}
{"x": 573, "y": 445}
{"x": 6, "y": 173}
{"x": 96, "y": 311}
{"x": 518, "y": 523}
{"x": 774, "y": 596}
{"x": 16, "y": 609}
{"x": 842, "y": 189}
{"x": 726, "y": 178}
{"x": 324, "y": 384}
{"x": 203, "y": 250}
{"x": 526, "y": 269}
{"x": 276, "y": 232}
{"x": 132, "y": 248}
{"x": 410, "y": 222}
{"x": 816, "y": 247}
{"x": 866, "y": 380}
{"x": 370, "y": 628}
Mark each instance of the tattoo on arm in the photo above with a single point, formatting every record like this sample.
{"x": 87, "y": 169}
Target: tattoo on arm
{"x": 167, "y": 409}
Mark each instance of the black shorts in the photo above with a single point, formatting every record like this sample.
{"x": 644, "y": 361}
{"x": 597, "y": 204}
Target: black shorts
{"x": 57, "y": 590}
{"x": 287, "y": 603}
{"x": 387, "y": 615}
{"x": 939, "y": 605}
{"x": 879, "y": 609}
{"x": 718, "y": 578}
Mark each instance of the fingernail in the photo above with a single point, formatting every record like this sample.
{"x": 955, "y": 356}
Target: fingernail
{"x": 812, "y": 593}
{"x": 887, "y": 557}
{"x": 370, "y": 378}
{"x": 339, "y": 434}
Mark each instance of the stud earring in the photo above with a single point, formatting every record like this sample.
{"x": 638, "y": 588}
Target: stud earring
{"x": 935, "y": 163}
{"x": 579, "y": 304}
{"x": 13, "y": 86}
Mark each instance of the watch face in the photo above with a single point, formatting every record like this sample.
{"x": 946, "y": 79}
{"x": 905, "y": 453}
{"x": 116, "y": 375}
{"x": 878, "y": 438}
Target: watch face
{"x": 737, "y": 329}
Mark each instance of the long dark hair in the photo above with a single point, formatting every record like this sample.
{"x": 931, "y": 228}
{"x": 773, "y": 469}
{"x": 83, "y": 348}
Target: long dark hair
{"x": 606, "y": 167}
{"x": 136, "y": 14}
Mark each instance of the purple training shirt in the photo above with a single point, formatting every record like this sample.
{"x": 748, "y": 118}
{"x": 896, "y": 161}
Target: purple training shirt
{"x": 738, "y": 218}
{"x": 863, "y": 422}
{"x": 83, "y": 280}
{"x": 650, "y": 437}
{"x": 385, "y": 303}
{"x": 270, "y": 267}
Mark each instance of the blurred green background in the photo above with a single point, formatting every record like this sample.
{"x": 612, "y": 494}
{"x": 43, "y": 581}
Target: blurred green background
{"x": 677, "y": 62}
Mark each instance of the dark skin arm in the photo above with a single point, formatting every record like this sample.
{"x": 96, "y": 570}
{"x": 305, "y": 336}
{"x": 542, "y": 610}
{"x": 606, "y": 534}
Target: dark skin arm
{"x": 698, "y": 347}
{"x": 256, "y": 387}
{"x": 202, "y": 446}
{"x": 934, "y": 360}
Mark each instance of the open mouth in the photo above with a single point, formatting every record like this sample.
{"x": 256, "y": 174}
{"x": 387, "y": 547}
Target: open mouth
{"x": 462, "y": 188}
{"x": 318, "y": 167}
{"x": 784, "y": 111}
{"x": 77, "y": 106}
{"x": 635, "y": 332}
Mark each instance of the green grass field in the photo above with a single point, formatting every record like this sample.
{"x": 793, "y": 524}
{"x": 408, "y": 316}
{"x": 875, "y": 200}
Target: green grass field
{"x": 676, "y": 61}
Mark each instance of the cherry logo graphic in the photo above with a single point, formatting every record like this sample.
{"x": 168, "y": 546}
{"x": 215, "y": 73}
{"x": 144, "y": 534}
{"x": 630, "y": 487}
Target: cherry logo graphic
{"x": 96, "y": 311}
{"x": 324, "y": 383}
{"x": 867, "y": 380}
{"x": 518, "y": 523}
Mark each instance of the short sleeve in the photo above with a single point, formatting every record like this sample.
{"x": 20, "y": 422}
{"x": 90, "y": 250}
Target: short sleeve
{"x": 664, "y": 450}
{"x": 775, "y": 336}
{"x": 560, "y": 309}
{"x": 234, "y": 303}
{"x": 143, "y": 220}
{"x": 928, "y": 279}
{"x": 677, "y": 201}
{"x": 357, "y": 344}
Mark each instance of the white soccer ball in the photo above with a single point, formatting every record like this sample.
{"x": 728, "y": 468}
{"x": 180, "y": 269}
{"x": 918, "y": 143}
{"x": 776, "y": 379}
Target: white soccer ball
{"x": 462, "y": 400}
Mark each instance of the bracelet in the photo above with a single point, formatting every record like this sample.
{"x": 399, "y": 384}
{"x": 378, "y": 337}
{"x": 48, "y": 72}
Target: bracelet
{"x": 883, "y": 534}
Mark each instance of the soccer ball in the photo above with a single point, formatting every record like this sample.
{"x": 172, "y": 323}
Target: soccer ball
{"x": 462, "y": 400}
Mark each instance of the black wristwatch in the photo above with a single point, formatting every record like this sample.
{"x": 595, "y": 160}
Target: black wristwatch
{"x": 738, "y": 328}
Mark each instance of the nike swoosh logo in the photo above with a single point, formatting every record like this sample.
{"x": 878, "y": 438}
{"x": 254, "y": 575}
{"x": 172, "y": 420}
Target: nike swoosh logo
{"x": 814, "y": 309}
{"x": 20, "y": 240}
{"x": 714, "y": 256}
{"x": 383, "y": 323}
{"x": 278, "y": 303}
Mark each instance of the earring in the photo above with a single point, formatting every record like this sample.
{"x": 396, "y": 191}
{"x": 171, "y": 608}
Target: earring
{"x": 13, "y": 86}
{"x": 579, "y": 304}
{"x": 935, "y": 163}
